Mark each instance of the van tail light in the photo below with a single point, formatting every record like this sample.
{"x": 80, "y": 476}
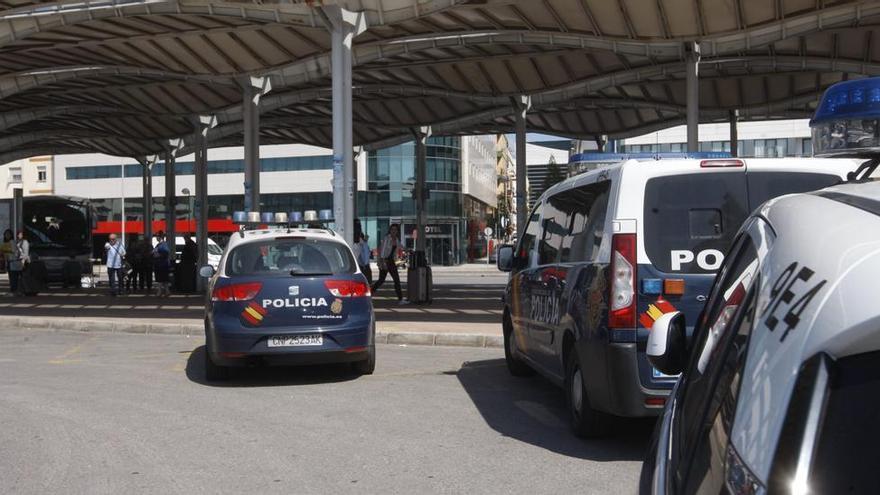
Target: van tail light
{"x": 236, "y": 292}
{"x": 623, "y": 282}
{"x": 347, "y": 288}
{"x": 721, "y": 163}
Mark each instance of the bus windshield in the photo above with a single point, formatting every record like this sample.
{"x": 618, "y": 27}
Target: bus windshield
{"x": 54, "y": 223}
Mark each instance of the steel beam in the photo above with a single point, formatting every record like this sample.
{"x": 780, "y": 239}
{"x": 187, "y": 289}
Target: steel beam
{"x": 521, "y": 107}
{"x": 202, "y": 125}
{"x": 170, "y": 201}
{"x": 693, "y": 97}
{"x": 344, "y": 25}
{"x": 147, "y": 188}
{"x": 420, "y": 187}
{"x": 252, "y": 91}
{"x": 734, "y": 136}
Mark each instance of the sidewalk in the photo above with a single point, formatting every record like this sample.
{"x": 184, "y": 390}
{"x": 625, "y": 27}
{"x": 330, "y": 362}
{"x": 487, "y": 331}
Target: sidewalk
{"x": 459, "y": 315}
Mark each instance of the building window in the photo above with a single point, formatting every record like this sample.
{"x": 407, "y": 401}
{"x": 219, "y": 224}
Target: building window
{"x": 15, "y": 175}
{"x": 41, "y": 173}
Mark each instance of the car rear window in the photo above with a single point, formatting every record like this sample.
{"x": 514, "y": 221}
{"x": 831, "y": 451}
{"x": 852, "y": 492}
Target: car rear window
{"x": 768, "y": 185}
{"x": 290, "y": 256}
{"x": 690, "y": 220}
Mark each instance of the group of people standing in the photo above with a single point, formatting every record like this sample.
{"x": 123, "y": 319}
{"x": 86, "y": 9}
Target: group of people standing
{"x": 16, "y": 256}
{"x": 130, "y": 272}
{"x": 387, "y": 260}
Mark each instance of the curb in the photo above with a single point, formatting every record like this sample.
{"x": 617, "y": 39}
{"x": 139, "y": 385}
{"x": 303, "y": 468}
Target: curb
{"x": 104, "y": 326}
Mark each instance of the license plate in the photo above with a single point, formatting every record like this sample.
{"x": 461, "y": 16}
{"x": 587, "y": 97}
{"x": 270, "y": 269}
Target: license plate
{"x": 296, "y": 340}
{"x": 658, "y": 374}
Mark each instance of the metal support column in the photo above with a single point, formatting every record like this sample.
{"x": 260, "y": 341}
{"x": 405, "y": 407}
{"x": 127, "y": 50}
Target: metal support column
{"x": 692, "y": 88}
{"x": 170, "y": 199}
{"x": 344, "y": 25}
{"x": 521, "y": 106}
{"x": 420, "y": 187}
{"x": 734, "y": 135}
{"x": 147, "y": 194}
{"x": 252, "y": 89}
{"x": 203, "y": 124}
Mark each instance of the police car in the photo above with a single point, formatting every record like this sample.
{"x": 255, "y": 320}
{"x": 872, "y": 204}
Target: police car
{"x": 780, "y": 383}
{"x": 288, "y": 296}
{"x": 607, "y": 252}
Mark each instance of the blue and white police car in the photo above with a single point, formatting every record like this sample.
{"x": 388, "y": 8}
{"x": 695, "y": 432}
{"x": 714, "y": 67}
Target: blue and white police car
{"x": 780, "y": 381}
{"x": 287, "y": 296}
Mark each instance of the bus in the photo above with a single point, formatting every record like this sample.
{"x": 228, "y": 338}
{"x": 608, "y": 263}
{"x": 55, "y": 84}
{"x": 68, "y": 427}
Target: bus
{"x": 58, "y": 229}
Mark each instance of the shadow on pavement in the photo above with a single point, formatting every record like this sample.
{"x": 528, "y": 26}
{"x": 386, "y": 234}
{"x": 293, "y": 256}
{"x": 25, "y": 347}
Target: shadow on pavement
{"x": 533, "y": 410}
{"x": 269, "y": 376}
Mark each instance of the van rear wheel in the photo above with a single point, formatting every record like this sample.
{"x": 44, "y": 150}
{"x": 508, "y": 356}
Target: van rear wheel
{"x": 515, "y": 366}
{"x": 585, "y": 421}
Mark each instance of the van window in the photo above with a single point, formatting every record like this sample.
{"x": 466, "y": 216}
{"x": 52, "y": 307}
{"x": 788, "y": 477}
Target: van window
{"x": 585, "y": 208}
{"x": 690, "y": 220}
{"x": 769, "y": 185}
{"x": 552, "y": 231}
{"x": 527, "y": 243}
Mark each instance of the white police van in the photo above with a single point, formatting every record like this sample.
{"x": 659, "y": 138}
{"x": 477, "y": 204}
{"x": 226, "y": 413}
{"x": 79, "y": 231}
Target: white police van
{"x": 780, "y": 383}
{"x": 607, "y": 252}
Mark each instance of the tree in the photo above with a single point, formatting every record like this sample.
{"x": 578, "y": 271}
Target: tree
{"x": 554, "y": 174}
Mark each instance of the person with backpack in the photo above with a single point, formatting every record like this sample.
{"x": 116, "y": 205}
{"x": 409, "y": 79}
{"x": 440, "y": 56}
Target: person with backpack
{"x": 115, "y": 253}
{"x": 162, "y": 264}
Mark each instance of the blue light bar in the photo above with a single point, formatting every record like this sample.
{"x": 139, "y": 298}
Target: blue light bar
{"x": 846, "y": 121}
{"x": 595, "y": 156}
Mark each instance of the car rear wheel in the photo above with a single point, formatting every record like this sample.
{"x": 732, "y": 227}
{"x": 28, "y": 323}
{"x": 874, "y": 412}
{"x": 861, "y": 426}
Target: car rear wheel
{"x": 585, "y": 421}
{"x": 213, "y": 371}
{"x": 515, "y": 366}
{"x": 368, "y": 365}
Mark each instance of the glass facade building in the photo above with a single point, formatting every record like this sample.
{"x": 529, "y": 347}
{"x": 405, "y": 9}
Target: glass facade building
{"x": 388, "y": 197}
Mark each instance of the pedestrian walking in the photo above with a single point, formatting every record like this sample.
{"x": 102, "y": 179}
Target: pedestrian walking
{"x": 18, "y": 264}
{"x": 363, "y": 256}
{"x": 115, "y": 252}
{"x": 10, "y": 260}
{"x": 161, "y": 256}
{"x": 388, "y": 262}
{"x": 133, "y": 258}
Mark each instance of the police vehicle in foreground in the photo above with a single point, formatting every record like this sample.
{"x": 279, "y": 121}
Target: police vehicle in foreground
{"x": 286, "y": 295}
{"x": 780, "y": 383}
{"x": 607, "y": 252}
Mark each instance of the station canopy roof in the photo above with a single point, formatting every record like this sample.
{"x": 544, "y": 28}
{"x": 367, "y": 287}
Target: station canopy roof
{"x": 124, "y": 77}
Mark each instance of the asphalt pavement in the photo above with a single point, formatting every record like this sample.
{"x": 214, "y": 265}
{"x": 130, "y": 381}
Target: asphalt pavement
{"x": 123, "y": 413}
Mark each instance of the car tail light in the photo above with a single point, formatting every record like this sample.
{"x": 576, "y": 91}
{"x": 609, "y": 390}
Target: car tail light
{"x": 237, "y": 292}
{"x": 623, "y": 281}
{"x": 347, "y": 288}
{"x": 721, "y": 163}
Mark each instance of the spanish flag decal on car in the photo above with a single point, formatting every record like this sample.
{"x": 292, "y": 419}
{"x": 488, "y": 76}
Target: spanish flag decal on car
{"x": 655, "y": 310}
{"x": 254, "y": 313}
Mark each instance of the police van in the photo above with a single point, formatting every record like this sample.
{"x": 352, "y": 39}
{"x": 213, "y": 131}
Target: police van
{"x": 780, "y": 383}
{"x": 606, "y": 253}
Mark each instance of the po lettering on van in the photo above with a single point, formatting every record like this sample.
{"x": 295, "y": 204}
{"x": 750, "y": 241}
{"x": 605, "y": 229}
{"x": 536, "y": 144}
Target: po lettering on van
{"x": 709, "y": 260}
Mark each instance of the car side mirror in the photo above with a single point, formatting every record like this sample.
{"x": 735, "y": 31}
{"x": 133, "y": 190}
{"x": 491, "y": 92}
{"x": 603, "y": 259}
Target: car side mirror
{"x": 504, "y": 260}
{"x": 667, "y": 343}
{"x": 206, "y": 271}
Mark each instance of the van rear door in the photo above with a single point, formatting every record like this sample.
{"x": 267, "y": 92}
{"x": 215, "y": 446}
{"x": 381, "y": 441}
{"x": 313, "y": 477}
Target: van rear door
{"x": 690, "y": 221}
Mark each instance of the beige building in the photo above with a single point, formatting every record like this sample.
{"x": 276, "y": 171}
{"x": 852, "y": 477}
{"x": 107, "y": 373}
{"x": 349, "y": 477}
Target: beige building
{"x": 33, "y": 175}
